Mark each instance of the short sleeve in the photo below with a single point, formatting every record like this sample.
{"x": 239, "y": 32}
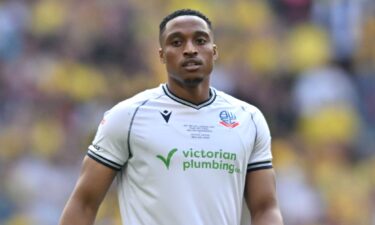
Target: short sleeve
{"x": 109, "y": 146}
{"x": 261, "y": 156}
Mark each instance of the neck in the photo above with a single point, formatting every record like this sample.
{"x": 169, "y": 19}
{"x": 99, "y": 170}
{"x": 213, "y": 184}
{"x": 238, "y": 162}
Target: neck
{"x": 193, "y": 93}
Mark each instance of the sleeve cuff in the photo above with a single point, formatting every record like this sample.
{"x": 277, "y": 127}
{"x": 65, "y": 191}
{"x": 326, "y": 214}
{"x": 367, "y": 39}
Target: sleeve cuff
{"x": 259, "y": 165}
{"x": 103, "y": 160}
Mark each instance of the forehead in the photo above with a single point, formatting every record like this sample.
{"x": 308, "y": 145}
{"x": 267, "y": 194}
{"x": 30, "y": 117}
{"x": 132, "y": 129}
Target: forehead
{"x": 186, "y": 24}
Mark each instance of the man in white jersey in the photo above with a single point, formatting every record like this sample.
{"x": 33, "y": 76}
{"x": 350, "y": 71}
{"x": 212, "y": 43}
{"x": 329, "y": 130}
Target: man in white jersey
{"x": 183, "y": 153}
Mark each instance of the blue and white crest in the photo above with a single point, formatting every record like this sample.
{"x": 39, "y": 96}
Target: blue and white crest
{"x": 228, "y": 119}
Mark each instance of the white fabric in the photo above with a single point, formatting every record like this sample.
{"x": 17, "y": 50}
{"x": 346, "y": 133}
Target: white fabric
{"x": 211, "y": 147}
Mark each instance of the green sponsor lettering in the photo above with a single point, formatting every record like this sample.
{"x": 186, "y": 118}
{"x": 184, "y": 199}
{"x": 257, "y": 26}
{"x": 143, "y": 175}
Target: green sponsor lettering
{"x": 186, "y": 153}
{"x": 187, "y": 165}
{"x": 167, "y": 161}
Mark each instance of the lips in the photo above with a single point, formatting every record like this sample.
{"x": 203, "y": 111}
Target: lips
{"x": 192, "y": 64}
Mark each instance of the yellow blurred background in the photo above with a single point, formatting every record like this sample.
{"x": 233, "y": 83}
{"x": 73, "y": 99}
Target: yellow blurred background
{"x": 308, "y": 65}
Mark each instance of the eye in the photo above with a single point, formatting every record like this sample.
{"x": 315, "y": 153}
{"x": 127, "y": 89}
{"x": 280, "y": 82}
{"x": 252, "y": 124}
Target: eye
{"x": 201, "y": 41}
{"x": 176, "y": 43}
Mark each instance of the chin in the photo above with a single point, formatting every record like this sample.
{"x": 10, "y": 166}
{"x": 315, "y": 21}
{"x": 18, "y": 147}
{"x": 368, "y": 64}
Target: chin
{"x": 193, "y": 82}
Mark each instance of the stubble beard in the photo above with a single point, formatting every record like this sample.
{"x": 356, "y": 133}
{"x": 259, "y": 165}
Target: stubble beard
{"x": 189, "y": 82}
{"x": 193, "y": 82}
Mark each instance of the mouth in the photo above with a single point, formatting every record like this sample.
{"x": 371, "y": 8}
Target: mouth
{"x": 192, "y": 64}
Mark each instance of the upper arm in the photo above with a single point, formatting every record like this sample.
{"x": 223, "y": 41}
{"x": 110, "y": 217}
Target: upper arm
{"x": 260, "y": 189}
{"x": 91, "y": 187}
{"x": 106, "y": 155}
{"x": 260, "y": 195}
{"x": 260, "y": 186}
{"x": 93, "y": 183}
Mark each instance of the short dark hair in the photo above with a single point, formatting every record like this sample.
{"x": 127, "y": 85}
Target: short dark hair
{"x": 183, "y": 12}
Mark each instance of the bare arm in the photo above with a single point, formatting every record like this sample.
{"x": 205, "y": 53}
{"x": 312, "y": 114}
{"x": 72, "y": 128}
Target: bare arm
{"x": 260, "y": 194}
{"x": 92, "y": 185}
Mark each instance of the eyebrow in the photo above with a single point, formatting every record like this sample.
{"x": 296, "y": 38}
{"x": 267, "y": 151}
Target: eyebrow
{"x": 202, "y": 33}
{"x": 178, "y": 33}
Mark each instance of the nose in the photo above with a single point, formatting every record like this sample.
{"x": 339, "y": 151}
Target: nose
{"x": 190, "y": 50}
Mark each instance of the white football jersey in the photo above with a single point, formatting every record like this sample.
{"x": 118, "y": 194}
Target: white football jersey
{"x": 181, "y": 163}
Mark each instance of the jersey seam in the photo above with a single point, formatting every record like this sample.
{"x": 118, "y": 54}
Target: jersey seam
{"x": 226, "y": 100}
{"x": 131, "y": 125}
{"x": 132, "y": 120}
{"x": 256, "y": 128}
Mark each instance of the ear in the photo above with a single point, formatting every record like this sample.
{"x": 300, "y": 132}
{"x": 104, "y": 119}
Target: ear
{"x": 161, "y": 55}
{"x": 216, "y": 53}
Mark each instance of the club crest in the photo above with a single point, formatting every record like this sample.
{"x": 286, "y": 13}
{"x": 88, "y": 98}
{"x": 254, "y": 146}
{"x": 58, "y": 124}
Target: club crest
{"x": 228, "y": 119}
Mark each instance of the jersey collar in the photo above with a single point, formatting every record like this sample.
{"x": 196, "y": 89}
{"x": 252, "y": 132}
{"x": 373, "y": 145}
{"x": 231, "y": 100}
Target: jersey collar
{"x": 187, "y": 103}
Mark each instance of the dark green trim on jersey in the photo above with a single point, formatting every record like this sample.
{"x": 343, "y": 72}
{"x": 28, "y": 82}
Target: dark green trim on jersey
{"x": 256, "y": 129}
{"x": 103, "y": 160}
{"x": 259, "y": 165}
{"x": 259, "y": 168}
{"x": 187, "y": 103}
{"x": 131, "y": 125}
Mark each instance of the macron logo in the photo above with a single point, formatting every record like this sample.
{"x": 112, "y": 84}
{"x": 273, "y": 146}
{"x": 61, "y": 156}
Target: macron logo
{"x": 166, "y": 115}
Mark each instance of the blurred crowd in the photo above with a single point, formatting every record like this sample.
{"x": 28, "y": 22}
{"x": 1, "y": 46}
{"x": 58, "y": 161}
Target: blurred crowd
{"x": 308, "y": 65}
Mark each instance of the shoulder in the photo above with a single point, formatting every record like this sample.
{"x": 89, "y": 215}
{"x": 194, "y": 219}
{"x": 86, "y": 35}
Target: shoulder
{"x": 123, "y": 111}
{"x": 131, "y": 104}
{"x": 225, "y": 98}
